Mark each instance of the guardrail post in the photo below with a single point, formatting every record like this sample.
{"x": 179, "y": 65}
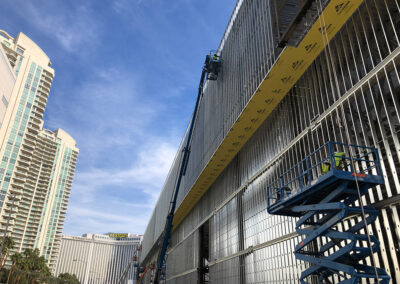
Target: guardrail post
{"x": 378, "y": 163}
{"x": 331, "y": 155}
{"x": 308, "y": 170}
{"x": 352, "y": 168}
{"x": 300, "y": 176}
{"x": 282, "y": 183}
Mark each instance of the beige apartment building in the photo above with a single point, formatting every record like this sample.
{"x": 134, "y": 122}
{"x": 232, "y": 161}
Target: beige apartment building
{"x": 37, "y": 165}
{"x": 7, "y": 81}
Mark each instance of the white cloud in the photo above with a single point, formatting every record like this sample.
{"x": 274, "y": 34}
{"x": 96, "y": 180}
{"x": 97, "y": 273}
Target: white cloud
{"x": 147, "y": 174}
{"x": 127, "y": 120}
{"x": 124, "y": 158}
{"x": 85, "y": 220}
{"x": 99, "y": 203}
{"x": 120, "y": 6}
{"x": 105, "y": 113}
{"x": 72, "y": 30}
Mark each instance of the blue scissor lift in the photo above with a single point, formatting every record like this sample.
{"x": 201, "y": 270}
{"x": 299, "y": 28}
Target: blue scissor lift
{"x": 321, "y": 199}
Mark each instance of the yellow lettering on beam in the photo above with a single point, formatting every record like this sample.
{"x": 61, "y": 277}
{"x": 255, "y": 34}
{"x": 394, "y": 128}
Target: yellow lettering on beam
{"x": 287, "y": 70}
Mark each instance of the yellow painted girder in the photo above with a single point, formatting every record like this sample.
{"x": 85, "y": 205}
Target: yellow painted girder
{"x": 287, "y": 70}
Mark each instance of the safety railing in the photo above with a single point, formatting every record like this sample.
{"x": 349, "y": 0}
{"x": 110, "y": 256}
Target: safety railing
{"x": 332, "y": 156}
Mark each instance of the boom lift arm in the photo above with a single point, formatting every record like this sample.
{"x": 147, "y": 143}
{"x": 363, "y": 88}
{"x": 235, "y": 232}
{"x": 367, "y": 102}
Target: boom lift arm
{"x": 210, "y": 71}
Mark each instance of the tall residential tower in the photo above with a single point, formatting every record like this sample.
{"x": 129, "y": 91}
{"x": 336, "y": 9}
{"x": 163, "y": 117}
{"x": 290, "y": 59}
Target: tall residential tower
{"x": 49, "y": 181}
{"x": 37, "y": 165}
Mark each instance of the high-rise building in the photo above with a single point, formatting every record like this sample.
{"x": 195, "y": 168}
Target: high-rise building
{"x": 7, "y": 81}
{"x": 37, "y": 165}
{"x": 50, "y": 173}
{"x": 99, "y": 259}
{"x": 281, "y": 93}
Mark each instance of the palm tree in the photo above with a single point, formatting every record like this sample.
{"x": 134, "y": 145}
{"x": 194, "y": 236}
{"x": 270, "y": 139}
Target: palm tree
{"x": 68, "y": 278}
{"x": 16, "y": 258}
{"x": 29, "y": 266}
{"x": 8, "y": 245}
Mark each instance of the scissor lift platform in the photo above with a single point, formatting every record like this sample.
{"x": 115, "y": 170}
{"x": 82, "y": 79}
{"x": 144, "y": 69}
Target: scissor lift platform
{"x": 324, "y": 198}
{"x": 316, "y": 191}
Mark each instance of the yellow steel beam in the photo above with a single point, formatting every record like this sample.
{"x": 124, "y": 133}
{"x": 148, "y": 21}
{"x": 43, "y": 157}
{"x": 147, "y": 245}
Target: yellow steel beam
{"x": 287, "y": 70}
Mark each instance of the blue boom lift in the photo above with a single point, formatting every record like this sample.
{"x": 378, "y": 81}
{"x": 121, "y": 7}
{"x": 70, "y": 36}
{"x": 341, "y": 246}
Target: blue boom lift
{"x": 211, "y": 68}
{"x": 321, "y": 199}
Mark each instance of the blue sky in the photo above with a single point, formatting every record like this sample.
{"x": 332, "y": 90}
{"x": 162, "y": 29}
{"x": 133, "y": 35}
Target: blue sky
{"x": 127, "y": 73}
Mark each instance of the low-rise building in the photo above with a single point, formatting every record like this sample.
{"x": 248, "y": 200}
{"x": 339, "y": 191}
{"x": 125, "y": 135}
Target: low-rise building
{"x": 98, "y": 258}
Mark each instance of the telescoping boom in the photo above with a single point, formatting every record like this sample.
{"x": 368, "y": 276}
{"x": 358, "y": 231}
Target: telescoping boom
{"x": 211, "y": 68}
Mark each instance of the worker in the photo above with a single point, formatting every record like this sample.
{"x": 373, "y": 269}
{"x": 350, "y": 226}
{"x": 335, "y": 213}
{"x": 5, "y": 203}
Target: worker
{"x": 326, "y": 166}
{"x": 283, "y": 192}
{"x": 215, "y": 57}
{"x": 207, "y": 61}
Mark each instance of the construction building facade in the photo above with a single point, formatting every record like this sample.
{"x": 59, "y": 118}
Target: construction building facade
{"x": 37, "y": 165}
{"x": 294, "y": 75}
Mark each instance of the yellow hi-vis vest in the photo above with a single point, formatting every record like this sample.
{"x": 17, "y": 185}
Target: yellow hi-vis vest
{"x": 326, "y": 167}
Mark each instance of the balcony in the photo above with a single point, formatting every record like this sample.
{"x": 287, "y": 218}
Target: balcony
{"x": 43, "y": 94}
{"x": 10, "y": 202}
{"x": 18, "y": 230}
{"x": 17, "y": 184}
{"x": 37, "y": 113}
{"x": 41, "y": 100}
{"x": 35, "y": 119}
{"x": 29, "y": 194}
{"x": 40, "y": 204}
{"x": 44, "y": 87}
{"x": 48, "y": 76}
{"x": 27, "y": 147}
{"x": 41, "y": 195}
{"x": 20, "y": 173}
{"x": 30, "y": 183}
{"x": 29, "y": 144}
{"x": 23, "y": 163}
{"x": 24, "y": 207}
{"x": 39, "y": 107}
{"x": 8, "y": 216}
{"x": 23, "y": 214}
{"x": 12, "y": 55}
{"x": 45, "y": 83}
{"x": 19, "y": 178}
{"x": 35, "y": 210}
{"x": 33, "y": 128}
{"x": 14, "y": 190}
{"x": 41, "y": 184}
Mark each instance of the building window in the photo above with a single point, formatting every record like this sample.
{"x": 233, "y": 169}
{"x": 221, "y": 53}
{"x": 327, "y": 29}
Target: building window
{"x": 4, "y": 100}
